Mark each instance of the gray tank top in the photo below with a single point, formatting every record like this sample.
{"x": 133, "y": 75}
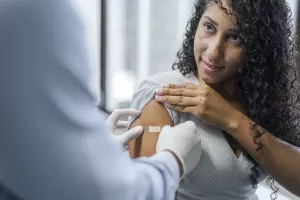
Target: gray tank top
{"x": 220, "y": 175}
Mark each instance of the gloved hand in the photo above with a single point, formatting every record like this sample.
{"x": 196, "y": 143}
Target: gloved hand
{"x": 114, "y": 124}
{"x": 183, "y": 141}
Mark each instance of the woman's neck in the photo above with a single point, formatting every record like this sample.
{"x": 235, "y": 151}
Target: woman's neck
{"x": 226, "y": 89}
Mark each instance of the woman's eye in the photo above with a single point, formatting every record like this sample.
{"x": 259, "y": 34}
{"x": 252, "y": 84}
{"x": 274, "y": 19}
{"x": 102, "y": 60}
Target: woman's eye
{"x": 235, "y": 38}
{"x": 209, "y": 28}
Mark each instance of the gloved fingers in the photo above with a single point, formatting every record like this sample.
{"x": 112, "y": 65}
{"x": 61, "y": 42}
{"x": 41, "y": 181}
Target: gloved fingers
{"x": 117, "y": 114}
{"x": 122, "y": 124}
{"x": 163, "y": 134}
{"x": 188, "y": 124}
{"x": 126, "y": 137}
{"x": 130, "y": 112}
{"x": 165, "y": 127}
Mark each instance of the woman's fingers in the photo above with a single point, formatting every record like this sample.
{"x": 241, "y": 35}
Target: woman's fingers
{"x": 187, "y": 109}
{"x": 188, "y": 89}
{"x": 174, "y": 86}
{"x": 181, "y": 92}
{"x": 176, "y": 92}
{"x": 187, "y": 84}
{"x": 178, "y": 100}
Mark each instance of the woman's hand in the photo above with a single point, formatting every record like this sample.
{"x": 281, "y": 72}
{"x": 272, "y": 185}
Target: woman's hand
{"x": 202, "y": 101}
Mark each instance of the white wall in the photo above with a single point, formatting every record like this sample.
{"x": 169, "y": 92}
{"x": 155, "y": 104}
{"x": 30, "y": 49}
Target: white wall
{"x": 294, "y": 6}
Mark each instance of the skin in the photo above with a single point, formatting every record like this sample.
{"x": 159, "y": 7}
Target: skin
{"x": 215, "y": 102}
{"x": 145, "y": 145}
{"x": 279, "y": 159}
{"x": 218, "y": 44}
{"x": 153, "y": 114}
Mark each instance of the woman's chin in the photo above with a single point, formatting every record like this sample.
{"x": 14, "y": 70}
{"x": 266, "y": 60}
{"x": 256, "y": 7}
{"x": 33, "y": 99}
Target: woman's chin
{"x": 209, "y": 80}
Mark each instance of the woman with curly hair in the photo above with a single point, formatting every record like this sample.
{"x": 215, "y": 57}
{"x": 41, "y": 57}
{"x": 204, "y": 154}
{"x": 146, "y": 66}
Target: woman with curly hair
{"x": 235, "y": 78}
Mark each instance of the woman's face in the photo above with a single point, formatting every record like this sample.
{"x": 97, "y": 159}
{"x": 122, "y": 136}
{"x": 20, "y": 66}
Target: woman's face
{"x": 218, "y": 48}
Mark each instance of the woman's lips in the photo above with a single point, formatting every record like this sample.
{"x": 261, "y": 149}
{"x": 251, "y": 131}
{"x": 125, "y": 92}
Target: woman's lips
{"x": 211, "y": 68}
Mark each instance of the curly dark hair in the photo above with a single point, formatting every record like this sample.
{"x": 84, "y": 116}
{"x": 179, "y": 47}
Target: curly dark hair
{"x": 268, "y": 78}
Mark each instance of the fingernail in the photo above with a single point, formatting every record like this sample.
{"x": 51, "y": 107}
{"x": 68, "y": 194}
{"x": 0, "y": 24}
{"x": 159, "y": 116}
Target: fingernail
{"x": 167, "y": 104}
{"x": 159, "y": 91}
{"x": 158, "y": 97}
{"x": 140, "y": 128}
{"x": 165, "y": 85}
{"x": 187, "y": 82}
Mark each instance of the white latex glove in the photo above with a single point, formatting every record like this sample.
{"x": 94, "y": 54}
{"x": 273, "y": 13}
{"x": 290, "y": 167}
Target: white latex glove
{"x": 114, "y": 124}
{"x": 184, "y": 141}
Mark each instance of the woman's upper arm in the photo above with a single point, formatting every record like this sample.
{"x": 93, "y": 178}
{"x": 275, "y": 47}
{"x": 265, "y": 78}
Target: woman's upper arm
{"x": 152, "y": 114}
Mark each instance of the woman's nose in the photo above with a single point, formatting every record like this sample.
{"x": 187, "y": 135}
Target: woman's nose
{"x": 215, "y": 50}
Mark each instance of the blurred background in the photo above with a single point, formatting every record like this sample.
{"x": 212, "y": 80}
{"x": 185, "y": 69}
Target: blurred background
{"x": 141, "y": 39}
{"x": 138, "y": 38}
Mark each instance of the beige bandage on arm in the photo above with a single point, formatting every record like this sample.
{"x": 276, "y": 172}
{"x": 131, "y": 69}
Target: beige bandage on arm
{"x": 153, "y": 129}
{"x": 153, "y": 118}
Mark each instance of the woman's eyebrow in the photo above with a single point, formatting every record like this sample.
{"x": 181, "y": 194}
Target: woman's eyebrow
{"x": 231, "y": 30}
{"x": 211, "y": 20}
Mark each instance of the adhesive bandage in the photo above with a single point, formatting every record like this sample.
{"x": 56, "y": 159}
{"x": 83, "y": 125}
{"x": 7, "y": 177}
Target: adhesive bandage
{"x": 153, "y": 129}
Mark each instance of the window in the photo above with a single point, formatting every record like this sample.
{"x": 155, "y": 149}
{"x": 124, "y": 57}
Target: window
{"x": 142, "y": 38}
